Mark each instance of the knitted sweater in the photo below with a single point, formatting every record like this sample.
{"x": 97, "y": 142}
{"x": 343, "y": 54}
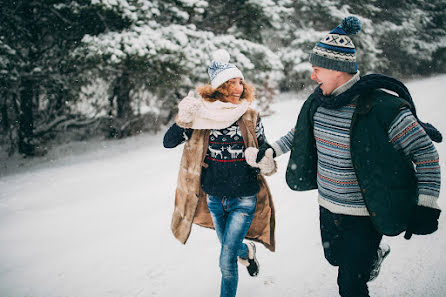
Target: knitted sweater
{"x": 227, "y": 173}
{"x": 337, "y": 183}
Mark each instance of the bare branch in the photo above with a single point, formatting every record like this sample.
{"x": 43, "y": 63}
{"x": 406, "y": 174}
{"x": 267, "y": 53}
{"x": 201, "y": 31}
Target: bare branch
{"x": 43, "y": 129}
{"x": 64, "y": 122}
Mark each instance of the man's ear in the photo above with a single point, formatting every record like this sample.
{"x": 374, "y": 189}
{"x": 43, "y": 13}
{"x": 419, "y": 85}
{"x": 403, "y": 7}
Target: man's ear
{"x": 344, "y": 76}
{"x": 338, "y": 74}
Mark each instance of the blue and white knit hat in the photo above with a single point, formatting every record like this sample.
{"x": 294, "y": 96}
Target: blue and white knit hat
{"x": 220, "y": 71}
{"x": 336, "y": 51}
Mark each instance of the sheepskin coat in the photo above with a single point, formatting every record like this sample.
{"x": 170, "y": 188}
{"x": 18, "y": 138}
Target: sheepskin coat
{"x": 190, "y": 199}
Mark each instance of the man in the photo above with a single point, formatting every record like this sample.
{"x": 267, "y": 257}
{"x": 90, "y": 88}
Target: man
{"x": 370, "y": 157}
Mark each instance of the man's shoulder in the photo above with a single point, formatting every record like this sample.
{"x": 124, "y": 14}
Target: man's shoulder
{"x": 387, "y": 106}
{"x": 387, "y": 100}
{"x": 311, "y": 97}
{"x": 310, "y": 102}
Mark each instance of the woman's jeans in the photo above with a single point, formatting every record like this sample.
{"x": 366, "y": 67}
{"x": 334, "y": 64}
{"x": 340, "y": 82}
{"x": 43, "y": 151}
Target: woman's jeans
{"x": 232, "y": 217}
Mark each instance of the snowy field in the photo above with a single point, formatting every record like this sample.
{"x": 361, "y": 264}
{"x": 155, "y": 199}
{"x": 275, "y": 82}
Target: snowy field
{"x": 93, "y": 220}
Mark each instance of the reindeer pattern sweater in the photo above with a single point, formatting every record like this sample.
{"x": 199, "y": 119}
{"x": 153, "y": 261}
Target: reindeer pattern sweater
{"x": 227, "y": 174}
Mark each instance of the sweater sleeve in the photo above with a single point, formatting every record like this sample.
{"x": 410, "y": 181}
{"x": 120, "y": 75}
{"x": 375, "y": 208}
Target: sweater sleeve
{"x": 284, "y": 144}
{"x": 408, "y": 136}
{"x": 176, "y": 135}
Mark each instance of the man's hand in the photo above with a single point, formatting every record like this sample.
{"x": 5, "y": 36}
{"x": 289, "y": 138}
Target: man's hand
{"x": 423, "y": 221}
{"x": 262, "y": 149}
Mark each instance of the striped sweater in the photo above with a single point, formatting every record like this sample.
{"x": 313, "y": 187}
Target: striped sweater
{"x": 338, "y": 187}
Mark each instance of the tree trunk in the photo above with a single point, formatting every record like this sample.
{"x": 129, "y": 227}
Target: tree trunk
{"x": 60, "y": 105}
{"x": 4, "y": 112}
{"x": 26, "y": 118}
{"x": 122, "y": 93}
{"x": 124, "y": 112}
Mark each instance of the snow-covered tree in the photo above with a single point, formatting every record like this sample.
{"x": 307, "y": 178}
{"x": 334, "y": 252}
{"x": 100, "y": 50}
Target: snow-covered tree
{"x": 121, "y": 66}
{"x": 38, "y": 77}
{"x": 397, "y": 37}
{"x": 412, "y": 36}
{"x": 166, "y": 49}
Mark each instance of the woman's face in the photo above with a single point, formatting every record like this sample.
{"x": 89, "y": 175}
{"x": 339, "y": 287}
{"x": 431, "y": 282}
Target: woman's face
{"x": 235, "y": 89}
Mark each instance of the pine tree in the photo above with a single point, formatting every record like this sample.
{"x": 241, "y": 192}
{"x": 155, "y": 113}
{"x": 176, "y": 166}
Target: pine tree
{"x": 165, "y": 52}
{"x": 401, "y": 38}
{"x": 38, "y": 76}
{"x": 121, "y": 66}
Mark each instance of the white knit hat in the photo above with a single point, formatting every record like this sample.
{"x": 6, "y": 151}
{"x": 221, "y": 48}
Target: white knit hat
{"x": 220, "y": 71}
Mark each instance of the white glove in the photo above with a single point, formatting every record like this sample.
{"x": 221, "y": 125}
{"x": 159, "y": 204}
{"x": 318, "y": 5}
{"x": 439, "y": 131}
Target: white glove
{"x": 267, "y": 165}
{"x": 251, "y": 156}
{"x": 187, "y": 109}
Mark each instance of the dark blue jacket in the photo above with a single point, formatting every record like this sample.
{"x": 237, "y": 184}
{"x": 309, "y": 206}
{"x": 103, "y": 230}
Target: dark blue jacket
{"x": 385, "y": 175}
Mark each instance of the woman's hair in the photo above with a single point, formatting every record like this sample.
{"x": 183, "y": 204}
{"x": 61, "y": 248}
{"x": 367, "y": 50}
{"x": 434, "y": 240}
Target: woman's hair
{"x": 210, "y": 94}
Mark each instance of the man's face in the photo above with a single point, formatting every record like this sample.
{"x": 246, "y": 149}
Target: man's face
{"x": 326, "y": 78}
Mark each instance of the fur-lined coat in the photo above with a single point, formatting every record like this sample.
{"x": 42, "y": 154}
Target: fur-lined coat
{"x": 190, "y": 199}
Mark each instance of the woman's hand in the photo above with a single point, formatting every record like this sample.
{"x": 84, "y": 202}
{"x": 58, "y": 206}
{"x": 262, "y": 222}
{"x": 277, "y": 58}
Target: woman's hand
{"x": 187, "y": 109}
{"x": 267, "y": 164}
{"x": 262, "y": 149}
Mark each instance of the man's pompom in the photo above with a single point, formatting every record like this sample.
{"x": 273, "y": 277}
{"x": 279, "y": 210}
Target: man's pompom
{"x": 351, "y": 25}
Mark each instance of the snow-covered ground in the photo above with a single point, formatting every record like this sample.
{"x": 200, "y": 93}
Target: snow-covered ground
{"x": 93, "y": 220}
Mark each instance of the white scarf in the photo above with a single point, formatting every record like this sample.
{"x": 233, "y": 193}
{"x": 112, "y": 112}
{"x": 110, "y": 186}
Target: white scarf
{"x": 218, "y": 114}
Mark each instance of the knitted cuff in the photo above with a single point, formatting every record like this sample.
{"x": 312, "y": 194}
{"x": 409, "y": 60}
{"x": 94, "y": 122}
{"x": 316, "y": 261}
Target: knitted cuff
{"x": 428, "y": 201}
{"x": 276, "y": 148}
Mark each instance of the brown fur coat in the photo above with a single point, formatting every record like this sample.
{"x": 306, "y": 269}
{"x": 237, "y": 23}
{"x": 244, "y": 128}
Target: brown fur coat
{"x": 190, "y": 200}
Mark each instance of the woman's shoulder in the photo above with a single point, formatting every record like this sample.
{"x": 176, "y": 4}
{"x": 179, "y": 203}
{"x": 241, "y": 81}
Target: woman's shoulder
{"x": 252, "y": 114}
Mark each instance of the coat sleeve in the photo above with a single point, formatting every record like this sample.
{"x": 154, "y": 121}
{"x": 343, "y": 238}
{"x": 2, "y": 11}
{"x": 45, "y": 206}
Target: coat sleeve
{"x": 175, "y": 136}
{"x": 407, "y": 135}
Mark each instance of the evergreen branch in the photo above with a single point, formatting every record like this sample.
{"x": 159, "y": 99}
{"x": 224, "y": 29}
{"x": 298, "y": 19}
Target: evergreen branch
{"x": 63, "y": 19}
{"x": 102, "y": 18}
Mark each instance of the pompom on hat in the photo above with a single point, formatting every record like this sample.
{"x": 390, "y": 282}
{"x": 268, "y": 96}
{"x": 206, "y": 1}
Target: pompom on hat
{"x": 220, "y": 70}
{"x": 336, "y": 51}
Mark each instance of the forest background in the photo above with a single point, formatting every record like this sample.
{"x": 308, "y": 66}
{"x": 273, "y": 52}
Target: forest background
{"x": 77, "y": 69}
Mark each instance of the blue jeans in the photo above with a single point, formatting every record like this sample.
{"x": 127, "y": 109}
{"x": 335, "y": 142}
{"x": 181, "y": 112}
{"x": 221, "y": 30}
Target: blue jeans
{"x": 232, "y": 217}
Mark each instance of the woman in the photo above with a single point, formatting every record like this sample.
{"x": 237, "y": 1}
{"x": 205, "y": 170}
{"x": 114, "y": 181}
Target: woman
{"x": 216, "y": 187}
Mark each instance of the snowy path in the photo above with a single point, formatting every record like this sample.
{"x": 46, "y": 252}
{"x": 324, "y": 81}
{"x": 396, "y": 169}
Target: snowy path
{"x": 97, "y": 224}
